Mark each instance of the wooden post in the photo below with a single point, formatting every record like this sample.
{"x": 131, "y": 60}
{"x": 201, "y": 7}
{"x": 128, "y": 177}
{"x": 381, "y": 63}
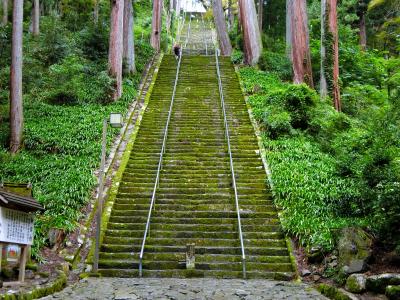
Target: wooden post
{"x": 100, "y": 198}
{"x": 1, "y": 254}
{"x": 22, "y": 263}
{"x": 190, "y": 257}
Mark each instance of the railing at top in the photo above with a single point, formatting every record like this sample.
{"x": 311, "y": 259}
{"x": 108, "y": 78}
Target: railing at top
{"x": 227, "y": 136}
{"x": 157, "y": 181}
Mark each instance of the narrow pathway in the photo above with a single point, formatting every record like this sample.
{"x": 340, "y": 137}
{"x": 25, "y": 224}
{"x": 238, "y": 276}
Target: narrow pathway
{"x": 179, "y": 289}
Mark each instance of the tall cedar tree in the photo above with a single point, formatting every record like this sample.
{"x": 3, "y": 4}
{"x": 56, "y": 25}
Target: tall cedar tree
{"x": 16, "y": 106}
{"x": 231, "y": 17}
{"x": 251, "y": 31}
{"x": 116, "y": 45}
{"x": 156, "y": 25}
{"x": 5, "y": 12}
{"x": 35, "y": 18}
{"x": 96, "y": 11}
{"x": 129, "y": 45}
{"x": 220, "y": 24}
{"x": 330, "y": 52}
{"x": 260, "y": 14}
{"x": 299, "y": 42}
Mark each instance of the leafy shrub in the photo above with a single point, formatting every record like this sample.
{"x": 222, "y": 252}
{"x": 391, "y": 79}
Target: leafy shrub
{"x": 74, "y": 81}
{"x": 53, "y": 45}
{"x": 276, "y": 63}
{"x": 237, "y": 57}
{"x": 4, "y": 84}
{"x": 93, "y": 41}
{"x": 358, "y": 98}
{"x": 285, "y": 109}
{"x": 362, "y": 67}
{"x": 5, "y": 46}
{"x": 308, "y": 189}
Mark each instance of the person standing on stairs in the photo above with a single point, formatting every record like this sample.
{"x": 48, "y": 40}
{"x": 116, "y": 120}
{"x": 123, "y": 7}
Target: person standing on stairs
{"x": 177, "y": 51}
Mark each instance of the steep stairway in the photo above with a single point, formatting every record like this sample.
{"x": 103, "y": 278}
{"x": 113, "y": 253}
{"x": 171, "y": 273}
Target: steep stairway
{"x": 195, "y": 200}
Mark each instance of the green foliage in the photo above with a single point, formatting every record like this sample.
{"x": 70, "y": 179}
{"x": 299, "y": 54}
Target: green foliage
{"x": 359, "y": 98}
{"x": 53, "y": 44}
{"x": 308, "y": 189}
{"x": 277, "y": 63}
{"x": 362, "y": 67}
{"x": 93, "y": 41}
{"x": 75, "y": 81}
{"x": 237, "y": 57}
{"x": 281, "y": 108}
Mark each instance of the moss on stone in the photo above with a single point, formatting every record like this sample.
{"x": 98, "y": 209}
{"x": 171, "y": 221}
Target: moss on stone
{"x": 332, "y": 292}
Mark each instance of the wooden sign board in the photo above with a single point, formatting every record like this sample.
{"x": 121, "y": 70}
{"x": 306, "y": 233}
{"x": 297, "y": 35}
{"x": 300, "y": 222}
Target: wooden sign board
{"x": 16, "y": 227}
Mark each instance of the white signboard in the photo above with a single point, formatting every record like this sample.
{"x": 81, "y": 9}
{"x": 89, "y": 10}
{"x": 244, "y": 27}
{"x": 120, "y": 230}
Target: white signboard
{"x": 16, "y": 227}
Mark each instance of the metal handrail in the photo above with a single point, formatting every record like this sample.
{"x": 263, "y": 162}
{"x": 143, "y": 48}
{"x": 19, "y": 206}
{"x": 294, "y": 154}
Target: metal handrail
{"x": 156, "y": 184}
{"x": 188, "y": 32}
{"x": 205, "y": 40}
{"x": 227, "y": 136}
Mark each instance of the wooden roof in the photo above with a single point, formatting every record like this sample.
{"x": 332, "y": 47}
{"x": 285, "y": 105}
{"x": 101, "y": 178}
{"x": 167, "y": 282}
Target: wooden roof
{"x": 19, "y": 202}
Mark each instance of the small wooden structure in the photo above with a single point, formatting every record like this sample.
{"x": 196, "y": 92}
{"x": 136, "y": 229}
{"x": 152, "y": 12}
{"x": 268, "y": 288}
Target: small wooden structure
{"x": 17, "y": 222}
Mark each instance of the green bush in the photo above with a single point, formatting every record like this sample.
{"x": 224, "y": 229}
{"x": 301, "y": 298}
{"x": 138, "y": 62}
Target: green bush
{"x": 54, "y": 43}
{"x": 285, "y": 109}
{"x": 75, "y": 81}
{"x": 308, "y": 189}
{"x": 361, "y": 98}
{"x": 237, "y": 57}
{"x": 93, "y": 41}
{"x": 276, "y": 63}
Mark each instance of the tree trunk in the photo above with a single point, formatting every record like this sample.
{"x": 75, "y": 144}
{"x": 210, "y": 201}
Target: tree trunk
{"x": 116, "y": 45}
{"x": 16, "y": 106}
{"x": 251, "y": 32}
{"x": 330, "y": 52}
{"x": 35, "y": 18}
{"x": 260, "y": 14}
{"x": 96, "y": 11}
{"x": 289, "y": 5}
{"x": 300, "y": 49}
{"x": 5, "y": 12}
{"x": 230, "y": 15}
{"x": 239, "y": 28}
{"x": 220, "y": 24}
{"x": 129, "y": 45}
{"x": 363, "y": 32}
{"x": 323, "y": 83}
{"x": 156, "y": 25}
{"x": 333, "y": 29}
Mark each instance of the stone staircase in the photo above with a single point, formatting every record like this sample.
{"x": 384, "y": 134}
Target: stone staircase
{"x": 195, "y": 200}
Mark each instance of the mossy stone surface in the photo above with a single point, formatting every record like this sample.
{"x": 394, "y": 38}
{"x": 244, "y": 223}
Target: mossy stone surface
{"x": 356, "y": 283}
{"x": 393, "y": 292}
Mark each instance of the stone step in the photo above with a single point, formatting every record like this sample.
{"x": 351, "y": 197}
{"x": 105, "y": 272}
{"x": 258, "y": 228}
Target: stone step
{"x": 280, "y": 276}
{"x": 166, "y": 220}
{"x": 193, "y": 207}
{"x": 193, "y": 227}
{"x": 222, "y": 242}
{"x": 244, "y": 214}
{"x": 198, "y": 233}
{"x": 179, "y": 256}
{"x": 168, "y": 265}
{"x": 263, "y": 251}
